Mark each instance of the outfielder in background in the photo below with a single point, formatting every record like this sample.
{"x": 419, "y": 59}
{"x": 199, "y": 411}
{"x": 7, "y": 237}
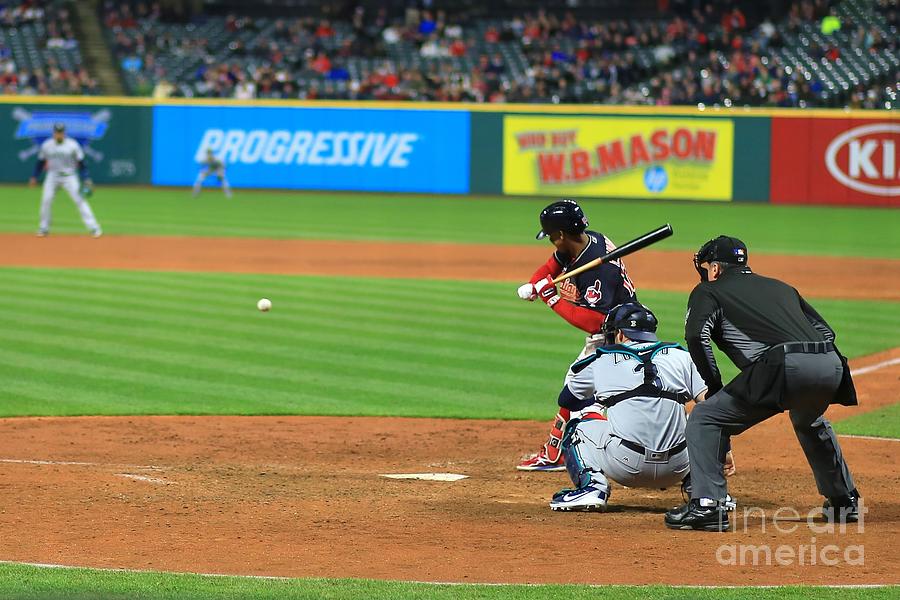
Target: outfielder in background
{"x": 630, "y": 396}
{"x": 63, "y": 160}
{"x": 582, "y": 300}
{"x": 212, "y": 166}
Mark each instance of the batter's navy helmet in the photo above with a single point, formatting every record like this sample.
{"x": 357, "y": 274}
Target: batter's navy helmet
{"x": 634, "y": 320}
{"x": 564, "y": 215}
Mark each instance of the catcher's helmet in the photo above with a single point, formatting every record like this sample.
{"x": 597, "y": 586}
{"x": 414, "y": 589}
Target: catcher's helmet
{"x": 634, "y": 320}
{"x": 729, "y": 250}
{"x": 564, "y": 215}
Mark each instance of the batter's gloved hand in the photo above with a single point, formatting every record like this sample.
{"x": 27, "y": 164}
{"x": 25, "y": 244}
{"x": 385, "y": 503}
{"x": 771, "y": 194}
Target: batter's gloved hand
{"x": 546, "y": 291}
{"x": 526, "y": 292}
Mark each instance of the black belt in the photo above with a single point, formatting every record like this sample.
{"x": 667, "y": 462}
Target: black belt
{"x": 806, "y": 347}
{"x": 652, "y": 455}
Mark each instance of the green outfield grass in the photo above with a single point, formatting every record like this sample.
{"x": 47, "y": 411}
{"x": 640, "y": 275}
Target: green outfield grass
{"x": 829, "y": 231}
{"x": 41, "y": 583}
{"x": 75, "y": 342}
{"x": 884, "y": 422}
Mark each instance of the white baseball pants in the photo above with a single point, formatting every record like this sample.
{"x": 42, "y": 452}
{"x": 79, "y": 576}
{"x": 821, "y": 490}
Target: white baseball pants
{"x": 70, "y": 183}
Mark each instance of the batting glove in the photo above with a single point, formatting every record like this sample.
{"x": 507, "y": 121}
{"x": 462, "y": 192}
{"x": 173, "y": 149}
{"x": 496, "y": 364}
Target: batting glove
{"x": 546, "y": 291}
{"x": 526, "y": 292}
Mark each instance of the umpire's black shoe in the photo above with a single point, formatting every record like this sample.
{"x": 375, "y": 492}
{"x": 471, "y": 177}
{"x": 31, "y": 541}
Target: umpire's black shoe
{"x": 842, "y": 510}
{"x": 702, "y": 518}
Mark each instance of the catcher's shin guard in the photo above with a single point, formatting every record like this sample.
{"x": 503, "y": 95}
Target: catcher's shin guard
{"x": 553, "y": 447}
{"x": 550, "y": 457}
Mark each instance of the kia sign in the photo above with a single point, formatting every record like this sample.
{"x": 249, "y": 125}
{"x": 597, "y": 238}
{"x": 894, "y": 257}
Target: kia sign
{"x": 865, "y": 172}
{"x": 835, "y": 161}
{"x": 315, "y": 148}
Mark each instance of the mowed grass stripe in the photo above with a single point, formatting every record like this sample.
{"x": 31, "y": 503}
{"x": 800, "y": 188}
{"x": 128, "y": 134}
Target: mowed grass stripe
{"x": 766, "y": 228}
{"x": 341, "y": 326}
{"x": 360, "y": 321}
{"x": 308, "y": 317}
{"x": 30, "y": 582}
{"x": 235, "y": 356}
{"x": 211, "y": 370}
{"x": 357, "y": 292}
{"x": 125, "y": 342}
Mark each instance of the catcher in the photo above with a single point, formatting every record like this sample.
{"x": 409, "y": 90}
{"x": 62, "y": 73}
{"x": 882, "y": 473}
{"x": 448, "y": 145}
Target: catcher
{"x": 582, "y": 300}
{"x": 630, "y": 395}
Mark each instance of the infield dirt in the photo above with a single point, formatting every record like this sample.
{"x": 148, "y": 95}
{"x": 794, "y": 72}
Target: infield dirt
{"x": 302, "y": 496}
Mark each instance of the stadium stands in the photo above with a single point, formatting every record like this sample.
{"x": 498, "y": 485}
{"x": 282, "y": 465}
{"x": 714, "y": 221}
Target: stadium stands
{"x": 710, "y": 52}
{"x": 39, "y": 51}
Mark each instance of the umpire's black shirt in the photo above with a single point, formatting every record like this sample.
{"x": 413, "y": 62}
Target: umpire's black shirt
{"x": 746, "y": 314}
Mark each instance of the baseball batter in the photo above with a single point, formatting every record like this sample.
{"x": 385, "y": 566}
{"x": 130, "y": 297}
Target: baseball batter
{"x": 641, "y": 384}
{"x": 212, "y": 166}
{"x": 63, "y": 160}
{"x": 582, "y": 300}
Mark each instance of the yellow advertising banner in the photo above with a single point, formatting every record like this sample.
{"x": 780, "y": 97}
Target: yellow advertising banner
{"x": 618, "y": 157}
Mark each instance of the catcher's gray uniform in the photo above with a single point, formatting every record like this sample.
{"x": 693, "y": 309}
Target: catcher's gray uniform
{"x": 641, "y": 442}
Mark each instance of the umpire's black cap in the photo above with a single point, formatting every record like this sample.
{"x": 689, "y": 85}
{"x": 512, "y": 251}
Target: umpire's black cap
{"x": 564, "y": 215}
{"x": 724, "y": 249}
{"x": 59, "y": 126}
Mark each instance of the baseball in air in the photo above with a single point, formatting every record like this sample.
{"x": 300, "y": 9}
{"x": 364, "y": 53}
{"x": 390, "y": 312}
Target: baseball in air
{"x": 264, "y": 304}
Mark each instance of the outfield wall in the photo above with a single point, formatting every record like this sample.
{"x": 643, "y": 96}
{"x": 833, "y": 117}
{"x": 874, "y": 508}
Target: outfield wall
{"x": 745, "y": 155}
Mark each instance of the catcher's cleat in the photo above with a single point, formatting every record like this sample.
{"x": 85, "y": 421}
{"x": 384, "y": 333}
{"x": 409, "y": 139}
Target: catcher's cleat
{"x": 587, "y": 499}
{"x": 542, "y": 462}
{"x": 842, "y": 510}
{"x": 699, "y": 515}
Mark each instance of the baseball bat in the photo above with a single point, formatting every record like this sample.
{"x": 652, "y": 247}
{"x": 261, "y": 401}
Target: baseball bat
{"x": 625, "y": 249}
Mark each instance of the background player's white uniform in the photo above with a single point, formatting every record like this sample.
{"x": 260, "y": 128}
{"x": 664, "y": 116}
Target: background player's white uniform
{"x": 641, "y": 443}
{"x": 62, "y": 160}
{"x": 212, "y": 166}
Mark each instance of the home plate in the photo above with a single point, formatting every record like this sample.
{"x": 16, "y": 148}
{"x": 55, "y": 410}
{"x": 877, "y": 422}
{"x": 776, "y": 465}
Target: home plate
{"x": 426, "y": 476}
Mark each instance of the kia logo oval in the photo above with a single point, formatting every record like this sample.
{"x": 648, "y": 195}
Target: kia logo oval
{"x": 871, "y": 154}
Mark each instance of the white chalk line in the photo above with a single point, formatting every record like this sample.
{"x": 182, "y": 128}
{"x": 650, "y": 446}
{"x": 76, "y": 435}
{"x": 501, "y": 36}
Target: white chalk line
{"x": 144, "y": 478}
{"x": 70, "y": 463}
{"x": 425, "y": 476}
{"x": 869, "y": 437}
{"x": 849, "y": 586}
{"x": 875, "y": 367}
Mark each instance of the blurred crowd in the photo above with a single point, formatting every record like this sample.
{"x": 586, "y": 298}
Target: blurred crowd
{"x": 698, "y": 52}
{"x": 702, "y": 53}
{"x": 45, "y": 27}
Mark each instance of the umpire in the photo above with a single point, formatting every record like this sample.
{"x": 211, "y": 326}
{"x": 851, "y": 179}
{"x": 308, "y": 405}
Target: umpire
{"x": 785, "y": 351}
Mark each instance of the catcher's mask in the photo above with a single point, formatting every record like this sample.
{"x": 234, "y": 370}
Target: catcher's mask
{"x": 729, "y": 250}
{"x": 564, "y": 215}
{"x": 634, "y": 320}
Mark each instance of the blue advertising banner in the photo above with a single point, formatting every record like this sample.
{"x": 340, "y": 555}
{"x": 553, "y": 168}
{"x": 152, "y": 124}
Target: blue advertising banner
{"x": 315, "y": 148}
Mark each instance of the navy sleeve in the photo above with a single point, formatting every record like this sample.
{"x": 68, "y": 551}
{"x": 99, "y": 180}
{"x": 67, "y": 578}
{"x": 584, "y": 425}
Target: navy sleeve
{"x": 38, "y": 167}
{"x": 569, "y": 400}
{"x": 82, "y": 170}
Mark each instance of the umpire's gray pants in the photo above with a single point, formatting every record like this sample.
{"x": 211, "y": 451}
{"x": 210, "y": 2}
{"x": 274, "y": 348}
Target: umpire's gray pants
{"x": 810, "y": 381}
{"x": 601, "y": 455}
